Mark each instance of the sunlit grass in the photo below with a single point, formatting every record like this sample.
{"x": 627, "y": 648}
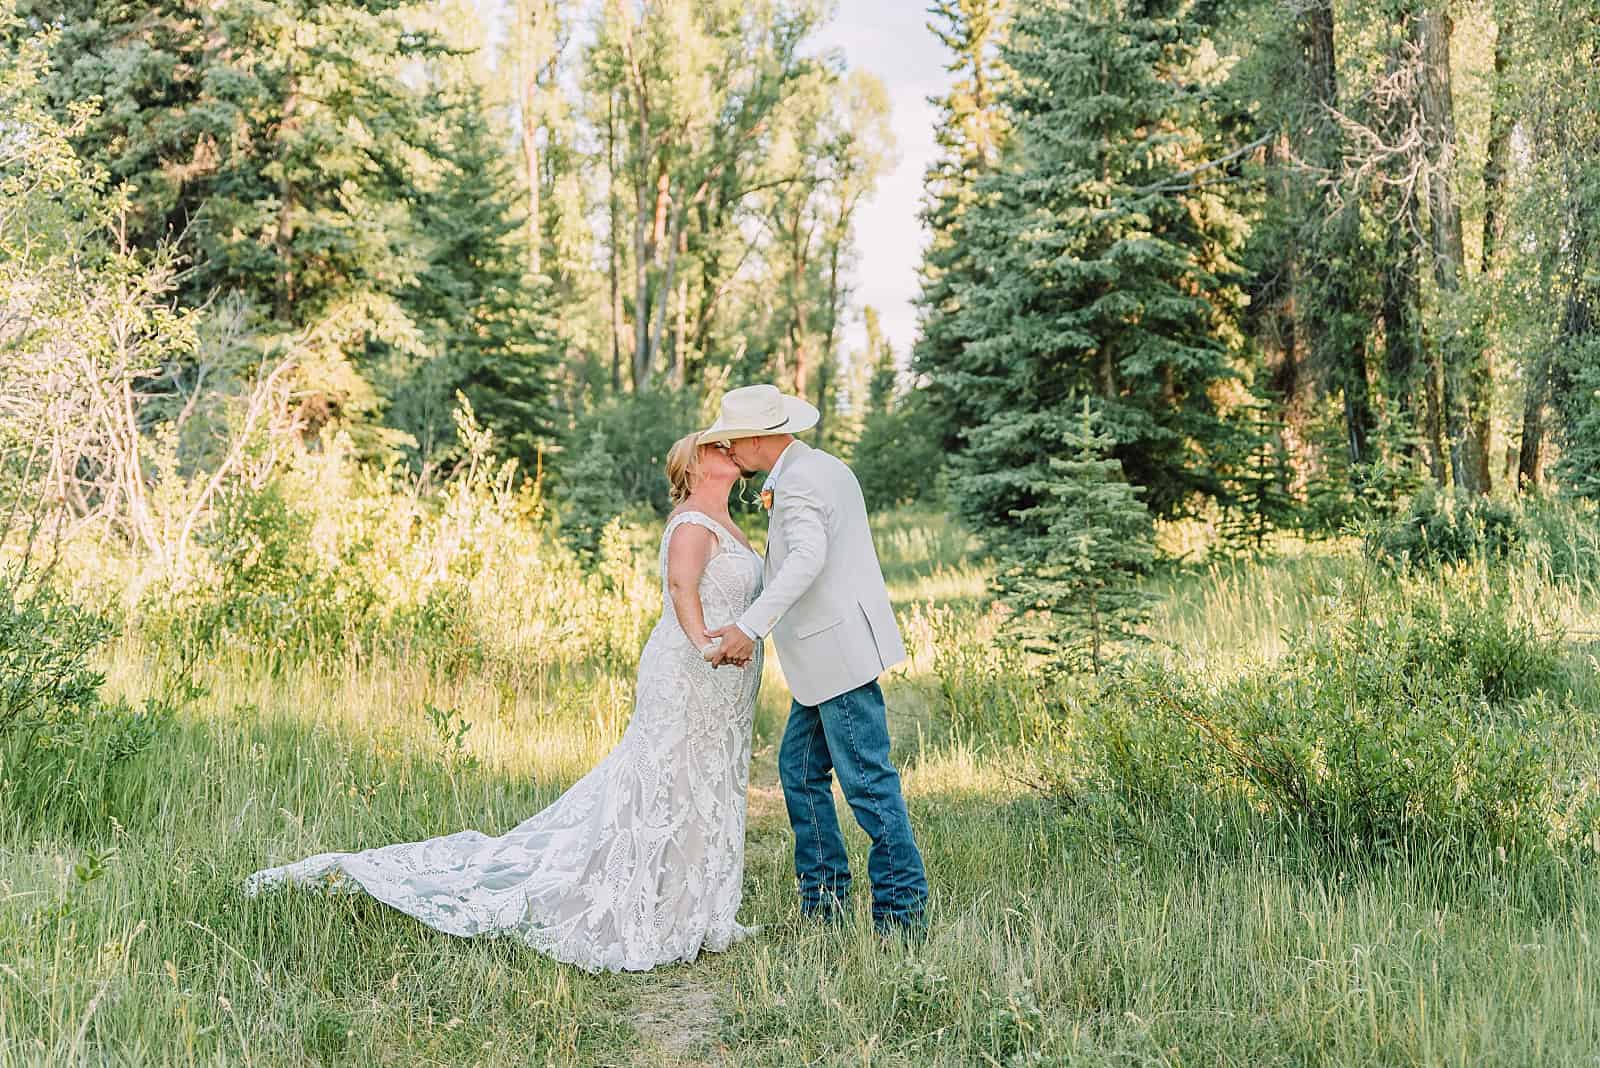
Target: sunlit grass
{"x": 1061, "y": 934}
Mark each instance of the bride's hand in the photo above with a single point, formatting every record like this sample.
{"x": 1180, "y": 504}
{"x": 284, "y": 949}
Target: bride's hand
{"x": 708, "y": 646}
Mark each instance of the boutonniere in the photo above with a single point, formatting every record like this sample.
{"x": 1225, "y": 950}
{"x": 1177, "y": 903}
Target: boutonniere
{"x": 766, "y": 499}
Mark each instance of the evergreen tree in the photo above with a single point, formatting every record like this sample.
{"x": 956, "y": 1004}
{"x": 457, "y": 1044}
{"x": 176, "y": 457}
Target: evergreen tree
{"x": 1256, "y": 480}
{"x": 885, "y": 373}
{"x": 487, "y": 322}
{"x": 282, "y": 140}
{"x": 898, "y": 456}
{"x": 1069, "y": 567}
{"x": 591, "y": 496}
{"x": 1101, "y": 253}
{"x": 971, "y": 134}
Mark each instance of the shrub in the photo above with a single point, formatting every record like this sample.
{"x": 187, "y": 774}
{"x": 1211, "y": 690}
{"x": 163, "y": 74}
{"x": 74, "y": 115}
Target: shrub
{"x": 1447, "y": 527}
{"x": 60, "y": 742}
{"x": 591, "y": 496}
{"x": 1070, "y": 565}
{"x": 1564, "y": 535}
{"x": 271, "y": 592}
{"x": 898, "y": 458}
{"x": 637, "y": 429}
{"x": 984, "y": 687}
{"x": 1411, "y": 717}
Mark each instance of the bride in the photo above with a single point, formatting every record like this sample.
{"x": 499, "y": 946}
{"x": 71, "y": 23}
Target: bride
{"x": 641, "y": 862}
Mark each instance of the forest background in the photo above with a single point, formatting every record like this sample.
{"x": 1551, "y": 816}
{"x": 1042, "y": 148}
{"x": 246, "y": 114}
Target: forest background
{"x": 1236, "y": 494}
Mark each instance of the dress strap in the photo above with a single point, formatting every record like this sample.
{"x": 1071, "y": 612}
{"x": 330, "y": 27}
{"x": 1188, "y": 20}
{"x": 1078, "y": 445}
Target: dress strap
{"x": 699, "y": 519}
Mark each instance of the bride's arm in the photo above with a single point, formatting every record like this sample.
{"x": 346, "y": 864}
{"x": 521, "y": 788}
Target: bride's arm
{"x": 687, "y": 554}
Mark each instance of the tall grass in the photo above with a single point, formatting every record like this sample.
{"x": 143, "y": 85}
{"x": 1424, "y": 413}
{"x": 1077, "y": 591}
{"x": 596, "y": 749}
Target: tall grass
{"x": 1064, "y": 932}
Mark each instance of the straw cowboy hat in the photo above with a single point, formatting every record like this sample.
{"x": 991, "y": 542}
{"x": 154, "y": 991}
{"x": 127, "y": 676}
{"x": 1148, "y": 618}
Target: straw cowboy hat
{"x": 751, "y": 411}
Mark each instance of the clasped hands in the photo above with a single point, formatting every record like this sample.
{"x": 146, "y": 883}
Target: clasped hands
{"x": 736, "y": 647}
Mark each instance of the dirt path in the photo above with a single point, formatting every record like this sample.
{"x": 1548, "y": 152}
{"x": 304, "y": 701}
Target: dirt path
{"x": 676, "y": 1020}
{"x": 677, "y": 1014}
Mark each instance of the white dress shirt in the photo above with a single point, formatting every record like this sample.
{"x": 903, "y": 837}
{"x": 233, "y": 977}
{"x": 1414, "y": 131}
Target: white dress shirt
{"x": 772, "y": 481}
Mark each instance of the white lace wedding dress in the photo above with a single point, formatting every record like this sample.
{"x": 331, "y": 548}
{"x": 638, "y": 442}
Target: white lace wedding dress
{"x": 641, "y": 862}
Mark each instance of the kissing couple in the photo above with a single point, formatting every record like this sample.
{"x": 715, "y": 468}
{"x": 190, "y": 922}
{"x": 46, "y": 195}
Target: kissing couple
{"x": 641, "y": 862}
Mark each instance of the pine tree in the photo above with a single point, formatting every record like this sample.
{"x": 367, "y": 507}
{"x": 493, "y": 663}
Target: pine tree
{"x": 1069, "y": 568}
{"x": 1256, "y": 480}
{"x": 591, "y": 496}
{"x": 1101, "y": 261}
{"x": 885, "y": 373}
{"x": 898, "y": 456}
{"x": 283, "y": 141}
{"x": 487, "y": 321}
{"x": 971, "y": 134}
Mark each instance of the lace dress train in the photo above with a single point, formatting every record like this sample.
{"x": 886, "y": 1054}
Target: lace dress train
{"x": 641, "y": 862}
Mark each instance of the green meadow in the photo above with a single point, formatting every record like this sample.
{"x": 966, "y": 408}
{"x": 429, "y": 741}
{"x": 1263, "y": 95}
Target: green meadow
{"x": 1066, "y": 929}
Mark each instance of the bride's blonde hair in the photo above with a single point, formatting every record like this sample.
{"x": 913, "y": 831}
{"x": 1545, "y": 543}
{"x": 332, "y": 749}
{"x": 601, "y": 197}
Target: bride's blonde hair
{"x": 683, "y": 467}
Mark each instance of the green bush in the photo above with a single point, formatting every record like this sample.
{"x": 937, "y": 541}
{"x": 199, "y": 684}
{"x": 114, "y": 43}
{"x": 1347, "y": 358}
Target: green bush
{"x": 898, "y": 458}
{"x": 984, "y": 691}
{"x": 637, "y": 430}
{"x": 272, "y": 593}
{"x": 1414, "y": 716}
{"x": 1447, "y": 527}
{"x": 1564, "y": 536}
{"x": 60, "y": 741}
{"x": 591, "y": 496}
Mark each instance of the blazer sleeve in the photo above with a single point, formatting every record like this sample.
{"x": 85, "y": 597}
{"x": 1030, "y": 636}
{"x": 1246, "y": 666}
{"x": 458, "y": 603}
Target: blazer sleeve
{"x": 804, "y": 516}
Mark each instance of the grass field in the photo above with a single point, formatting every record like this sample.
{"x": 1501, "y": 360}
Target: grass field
{"x": 1060, "y": 934}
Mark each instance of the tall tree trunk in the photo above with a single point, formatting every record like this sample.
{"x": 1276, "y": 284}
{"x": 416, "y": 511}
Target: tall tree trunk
{"x": 798, "y": 246}
{"x": 537, "y": 52}
{"x": 1535, "y": 400}
{"x": 1330, "y": 305}
{"x": 663, "y": 287}
{"x": 1495, "y": 169}
{"x": 288, "y": 195}
{"x": 1498, "y": 162}
{"x": 826, "y": 360}
{"x": 1279, "y": 324}
{"x": 641, "y": 292}
{"x": 1462, "y": 360}
{"x": 530, "y": 164}
{"x": 708, "y": 216}
{"x": 1400, "y": 299}
{"x": 1402, "y": 339}
{"x": 615, "y": 259}
{"x": 681, "y": 311}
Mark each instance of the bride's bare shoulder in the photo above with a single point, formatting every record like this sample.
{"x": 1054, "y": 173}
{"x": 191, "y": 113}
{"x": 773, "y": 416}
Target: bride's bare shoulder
{"x": 692, "y": 531}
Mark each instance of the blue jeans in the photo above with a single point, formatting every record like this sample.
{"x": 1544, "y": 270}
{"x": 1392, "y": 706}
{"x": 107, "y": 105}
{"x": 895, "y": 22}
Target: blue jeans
{"x": 849, "y": 734}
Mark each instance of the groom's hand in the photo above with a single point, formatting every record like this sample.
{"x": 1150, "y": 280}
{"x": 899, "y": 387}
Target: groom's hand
{"x": 736, "y": 647}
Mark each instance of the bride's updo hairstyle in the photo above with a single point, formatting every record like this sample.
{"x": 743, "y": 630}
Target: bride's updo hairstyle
{"x": 683, "y": 467}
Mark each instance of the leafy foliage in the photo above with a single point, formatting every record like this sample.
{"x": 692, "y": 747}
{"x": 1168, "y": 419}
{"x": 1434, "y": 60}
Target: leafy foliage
{"x": 1256, "y": 473}
{"x": 898, "y": 458}
{"x": 591, "y": 497}
{"x": 1406, "y": 717}
{"x": 272, "y": 594}
{"x": 1579, "y": 466}
{"x": 61, "y": 743}
{"x": 1447, "y": 527}
{"x": 637, "y": 430}
{"x": 490, "y": 326}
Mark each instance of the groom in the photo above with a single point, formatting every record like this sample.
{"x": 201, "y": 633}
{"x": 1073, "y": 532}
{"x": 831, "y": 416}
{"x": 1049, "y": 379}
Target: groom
{"x": 825, "y": 605}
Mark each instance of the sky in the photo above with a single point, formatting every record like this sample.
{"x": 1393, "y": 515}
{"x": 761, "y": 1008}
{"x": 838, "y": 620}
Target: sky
{"x": 891, "y": 39}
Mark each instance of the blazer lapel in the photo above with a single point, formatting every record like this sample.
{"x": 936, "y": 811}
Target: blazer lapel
{"x": 792, "y": 455}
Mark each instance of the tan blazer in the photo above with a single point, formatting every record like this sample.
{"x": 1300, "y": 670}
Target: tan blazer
{"x": 823, "y": 599}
